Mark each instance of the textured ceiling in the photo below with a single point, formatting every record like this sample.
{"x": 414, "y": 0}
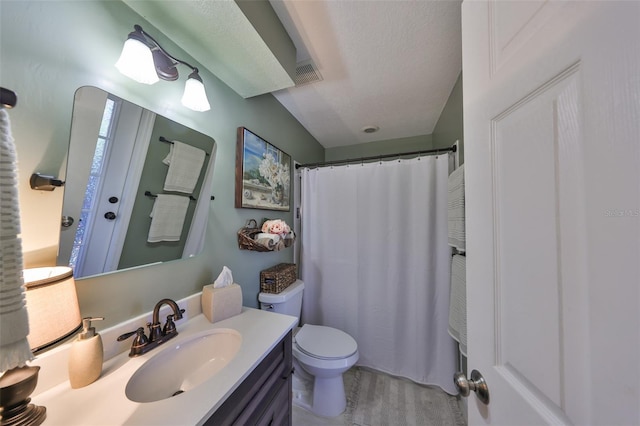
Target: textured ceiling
{"x": 385, "y": 63}
{"x": 390, "y": 64}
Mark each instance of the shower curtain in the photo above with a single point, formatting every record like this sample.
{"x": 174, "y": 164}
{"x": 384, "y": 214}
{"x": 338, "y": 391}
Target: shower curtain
{"x": 375, "y": 262}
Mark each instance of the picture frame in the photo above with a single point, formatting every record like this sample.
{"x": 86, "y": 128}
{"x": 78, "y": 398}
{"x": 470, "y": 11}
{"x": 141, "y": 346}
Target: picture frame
{"x": 263, "y": 174}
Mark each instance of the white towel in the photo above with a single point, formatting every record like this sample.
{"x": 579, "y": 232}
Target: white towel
{"x": 455, "y": 203}
{"x": 185, "y": 162}
{"x": 14, "y": 347}
{"x": 167, "y": 218}
{"x": 271, "y": 241}
{"x": 458, "y": 302}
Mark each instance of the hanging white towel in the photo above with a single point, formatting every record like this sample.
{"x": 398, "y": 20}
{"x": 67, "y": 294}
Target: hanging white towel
{"x": 14, "y": 347}
{"x": 185, "y": 162}
{"x": 458, "y": 302}
{"x": 455, "y": 203}
{"x": 167, "y": 218}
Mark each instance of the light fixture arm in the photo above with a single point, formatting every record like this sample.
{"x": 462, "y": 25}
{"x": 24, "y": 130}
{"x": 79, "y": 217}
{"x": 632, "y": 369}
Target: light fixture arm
{"x": 157, "y": 45}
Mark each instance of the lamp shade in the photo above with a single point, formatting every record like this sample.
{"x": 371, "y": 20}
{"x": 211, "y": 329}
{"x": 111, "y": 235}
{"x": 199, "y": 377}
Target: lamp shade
{"x": 52, "y": 304}
{"x": 194, "y": 96}
{"x": 136, "y": 62}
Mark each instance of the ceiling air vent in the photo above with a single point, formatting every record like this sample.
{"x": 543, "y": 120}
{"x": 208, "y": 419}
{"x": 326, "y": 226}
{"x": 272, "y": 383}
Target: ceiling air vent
{"x": 306, "y": 72}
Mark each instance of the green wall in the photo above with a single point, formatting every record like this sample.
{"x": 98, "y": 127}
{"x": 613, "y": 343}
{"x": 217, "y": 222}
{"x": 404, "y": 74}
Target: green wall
{"x": 370, "y": 149}
{"x": 48, "y": 50}
{"x": 449, "y": 127}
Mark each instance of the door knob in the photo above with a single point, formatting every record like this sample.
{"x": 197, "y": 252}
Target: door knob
{"x": 109, "y": 215}
{"x": 67, "y": 221}
{"x": 476, "y": 383}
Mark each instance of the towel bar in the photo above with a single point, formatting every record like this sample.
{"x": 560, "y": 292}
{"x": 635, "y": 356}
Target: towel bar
{"x": 149, "y": 194}
{"x": 163, "y": 139}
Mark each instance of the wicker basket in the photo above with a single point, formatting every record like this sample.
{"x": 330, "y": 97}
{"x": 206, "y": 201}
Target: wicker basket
{"x": 246, "y": 239}
{"x": 277, "y": 278}
{"x": 246, "y": 235}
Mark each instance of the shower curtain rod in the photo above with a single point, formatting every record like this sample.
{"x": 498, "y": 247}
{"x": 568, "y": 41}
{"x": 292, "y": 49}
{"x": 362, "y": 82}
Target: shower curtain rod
{"x": 378, "y": 157}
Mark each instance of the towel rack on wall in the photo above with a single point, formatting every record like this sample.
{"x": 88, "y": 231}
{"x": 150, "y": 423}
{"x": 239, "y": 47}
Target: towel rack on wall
{"x": 163, "y": 139}
{"x": 455, "y": 251}
{"x": 150, "y": 195}
{"x": 8, "y": 98}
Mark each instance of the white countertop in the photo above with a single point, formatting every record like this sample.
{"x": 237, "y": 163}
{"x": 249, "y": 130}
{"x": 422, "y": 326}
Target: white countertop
{"x": 104, "y": 402}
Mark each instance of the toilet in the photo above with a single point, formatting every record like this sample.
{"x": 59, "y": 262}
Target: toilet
{"x": 320, "y": 356}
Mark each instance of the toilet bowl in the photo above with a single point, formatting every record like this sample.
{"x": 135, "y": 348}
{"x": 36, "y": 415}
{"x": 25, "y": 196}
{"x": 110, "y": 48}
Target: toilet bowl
{"x": 320, "y": 354}
{"x": 325, "y": 353}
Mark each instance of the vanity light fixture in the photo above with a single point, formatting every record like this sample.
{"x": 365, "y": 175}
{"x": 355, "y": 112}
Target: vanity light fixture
{"x": 145, "y": 61}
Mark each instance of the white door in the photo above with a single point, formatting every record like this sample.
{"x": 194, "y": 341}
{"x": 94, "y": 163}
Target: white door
{"x": 552, "y": 150}
{"x": 115, "y": 191}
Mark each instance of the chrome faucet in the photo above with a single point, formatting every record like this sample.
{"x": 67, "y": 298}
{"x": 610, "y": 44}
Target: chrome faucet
{"x": 157, "y": 335}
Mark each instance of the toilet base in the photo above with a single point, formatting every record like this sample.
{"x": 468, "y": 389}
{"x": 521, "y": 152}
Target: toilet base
{"x": 329, "y": 398}
{"x": 323, "y": 397}
{"x": 302, "y": 389}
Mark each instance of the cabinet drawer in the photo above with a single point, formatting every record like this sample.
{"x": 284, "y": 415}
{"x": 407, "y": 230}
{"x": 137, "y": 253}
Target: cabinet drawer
{"x": 277, "y": 413}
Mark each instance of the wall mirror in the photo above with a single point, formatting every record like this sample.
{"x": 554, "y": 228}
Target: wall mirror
{"x": 117, "y": 167}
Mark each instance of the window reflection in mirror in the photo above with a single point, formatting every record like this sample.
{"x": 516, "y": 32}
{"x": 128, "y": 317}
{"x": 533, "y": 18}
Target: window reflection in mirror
{"x": 118, "y": 152}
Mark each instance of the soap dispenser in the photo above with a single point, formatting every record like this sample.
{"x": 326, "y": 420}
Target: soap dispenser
{"x": 86, "y": 355}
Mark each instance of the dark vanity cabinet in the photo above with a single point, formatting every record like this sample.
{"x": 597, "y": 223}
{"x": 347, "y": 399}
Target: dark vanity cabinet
{"x": 264, "y": 397}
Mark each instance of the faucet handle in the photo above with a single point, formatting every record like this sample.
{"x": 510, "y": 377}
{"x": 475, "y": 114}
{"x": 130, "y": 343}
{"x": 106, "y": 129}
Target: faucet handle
{"x": 169, "y": 326}
{"x": 138, "y": 343}
{"x": 139, "y": 335}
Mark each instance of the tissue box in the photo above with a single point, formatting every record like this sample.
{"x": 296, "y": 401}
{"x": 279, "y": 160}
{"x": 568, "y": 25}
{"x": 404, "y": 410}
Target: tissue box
{"x": 221, "y": 303}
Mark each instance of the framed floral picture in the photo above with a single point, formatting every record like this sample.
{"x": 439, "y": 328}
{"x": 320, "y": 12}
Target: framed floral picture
{"x": 263, "y": 174}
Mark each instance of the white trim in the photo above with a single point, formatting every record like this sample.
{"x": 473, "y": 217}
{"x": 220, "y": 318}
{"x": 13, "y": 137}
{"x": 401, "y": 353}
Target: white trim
{"x": 128, "y": 195}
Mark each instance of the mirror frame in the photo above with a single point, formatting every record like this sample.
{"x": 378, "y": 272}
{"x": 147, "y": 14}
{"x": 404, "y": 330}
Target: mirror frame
{"x": 147, "y": 159}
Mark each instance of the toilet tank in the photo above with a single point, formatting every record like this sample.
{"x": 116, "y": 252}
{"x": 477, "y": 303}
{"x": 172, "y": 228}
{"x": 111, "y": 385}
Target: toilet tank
{"x": 288, "y": 301}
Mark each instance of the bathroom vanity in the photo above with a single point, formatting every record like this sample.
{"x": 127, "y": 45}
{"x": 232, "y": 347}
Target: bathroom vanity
{"x": 263, "y": 398}
{"x": 254, "y": 387}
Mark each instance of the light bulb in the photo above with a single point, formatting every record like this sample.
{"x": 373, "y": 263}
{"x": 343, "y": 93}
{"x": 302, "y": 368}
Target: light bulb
{"x": 194, "y": 96}
{"x": 136, "y": 62}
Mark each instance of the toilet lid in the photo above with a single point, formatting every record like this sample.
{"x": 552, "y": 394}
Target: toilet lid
{"x": 325, "y": 342}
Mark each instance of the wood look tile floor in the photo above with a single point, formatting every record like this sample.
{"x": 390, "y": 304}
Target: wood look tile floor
{"x": 302, "y": 417}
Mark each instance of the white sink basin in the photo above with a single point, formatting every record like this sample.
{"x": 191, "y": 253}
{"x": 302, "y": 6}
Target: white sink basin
{"x": 181, "y": 366}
